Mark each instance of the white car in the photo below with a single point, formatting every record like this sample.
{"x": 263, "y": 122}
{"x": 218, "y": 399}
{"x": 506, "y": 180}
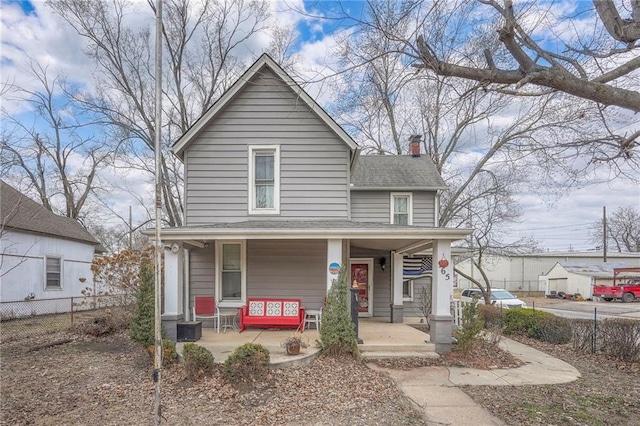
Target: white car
{"x": 499, "y": 297}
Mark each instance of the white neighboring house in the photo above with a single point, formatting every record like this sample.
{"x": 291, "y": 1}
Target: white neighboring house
{"x": 578, "y": 277}
{"x": 42, "y": 255}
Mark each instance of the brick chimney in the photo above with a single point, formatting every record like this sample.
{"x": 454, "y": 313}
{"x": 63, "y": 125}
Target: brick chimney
{"x": 414, "y": 145}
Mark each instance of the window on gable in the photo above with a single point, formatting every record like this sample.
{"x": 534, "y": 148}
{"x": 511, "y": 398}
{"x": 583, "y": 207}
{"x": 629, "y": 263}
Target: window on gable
{"x": 231, "y": 267}
{"x": 53, "y": 273}
{"x": 401, "y": 206}
{"x": 264, "y": 179}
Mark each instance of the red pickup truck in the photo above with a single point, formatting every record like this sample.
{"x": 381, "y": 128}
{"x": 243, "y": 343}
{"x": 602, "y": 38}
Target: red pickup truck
{"x": 627, "y": 292}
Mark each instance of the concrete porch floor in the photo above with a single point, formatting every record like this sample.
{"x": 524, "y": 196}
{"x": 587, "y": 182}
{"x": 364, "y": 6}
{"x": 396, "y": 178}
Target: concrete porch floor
{"x": 380, "y": 339}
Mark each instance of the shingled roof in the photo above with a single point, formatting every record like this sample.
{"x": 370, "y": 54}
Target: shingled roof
{"x": 396, "y": 172}
{"x": 19, "y": 212}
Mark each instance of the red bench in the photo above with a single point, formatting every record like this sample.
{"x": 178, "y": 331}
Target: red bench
{"x": 272, "y": 313}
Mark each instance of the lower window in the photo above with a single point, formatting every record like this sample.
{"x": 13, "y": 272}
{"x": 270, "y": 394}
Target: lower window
{"x": 231, "y": 261}
{"x": 407, "y": 290}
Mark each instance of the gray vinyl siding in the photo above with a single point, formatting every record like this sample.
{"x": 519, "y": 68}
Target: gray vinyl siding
{"x": 201, "y": 275}
{"x": 313, "y": 160}
{"x": 414, "y": 308}
{"x": 424, "y": 208}
{"x": 288, "y": 269}
{"x": 370, "y": 206}
{"x": 374, "y": 206}
{"x": 381, "y": 280}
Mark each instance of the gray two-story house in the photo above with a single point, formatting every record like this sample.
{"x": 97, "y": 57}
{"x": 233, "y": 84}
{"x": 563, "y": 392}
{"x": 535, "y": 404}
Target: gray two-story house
{"x": 277, "y": 198}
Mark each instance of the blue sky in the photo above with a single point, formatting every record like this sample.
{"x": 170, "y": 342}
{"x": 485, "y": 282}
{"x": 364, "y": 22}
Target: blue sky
{"x": 30, "y": 28}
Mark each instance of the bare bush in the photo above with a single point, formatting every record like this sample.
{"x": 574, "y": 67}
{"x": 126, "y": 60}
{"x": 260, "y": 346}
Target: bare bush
{"x": 620, "y": 338}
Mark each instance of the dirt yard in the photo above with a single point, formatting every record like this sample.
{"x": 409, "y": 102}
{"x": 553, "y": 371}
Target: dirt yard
{"x": 107, "y": 381}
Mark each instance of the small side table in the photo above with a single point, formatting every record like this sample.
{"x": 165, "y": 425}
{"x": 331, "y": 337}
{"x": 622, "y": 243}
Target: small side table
{"x": 228, "y": 320}
{"x": 313, "y": 316}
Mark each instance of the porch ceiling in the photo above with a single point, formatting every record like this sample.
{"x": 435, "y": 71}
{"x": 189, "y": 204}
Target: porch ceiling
{"x": 387, "y": 245}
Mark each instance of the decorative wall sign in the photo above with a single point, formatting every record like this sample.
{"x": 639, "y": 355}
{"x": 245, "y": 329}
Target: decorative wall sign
{"x": 443, "y": 263}
{"x": 334, "y": 268}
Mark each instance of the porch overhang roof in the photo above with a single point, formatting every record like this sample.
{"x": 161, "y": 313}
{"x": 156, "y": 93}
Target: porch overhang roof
{"x": 411, "y": 236}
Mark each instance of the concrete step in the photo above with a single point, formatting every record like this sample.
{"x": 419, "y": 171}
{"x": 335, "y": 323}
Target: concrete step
{"x": 381, "y": 355}
{"x": 391, "y": 347}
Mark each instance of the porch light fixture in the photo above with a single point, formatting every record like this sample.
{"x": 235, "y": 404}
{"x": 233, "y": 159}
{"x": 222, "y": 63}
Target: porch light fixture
{"x": 383, "y": 263}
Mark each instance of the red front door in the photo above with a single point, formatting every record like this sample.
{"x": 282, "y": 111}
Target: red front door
{"x": 361, "y": 274}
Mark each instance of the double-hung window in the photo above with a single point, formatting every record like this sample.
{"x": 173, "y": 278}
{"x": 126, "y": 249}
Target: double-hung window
{"x": 231, "y": 264}
{"x": 401, "y": 209}
{"x": 264, "y": 179}
{"x": 53, "y": 273}
{"x": 407, "y": 290}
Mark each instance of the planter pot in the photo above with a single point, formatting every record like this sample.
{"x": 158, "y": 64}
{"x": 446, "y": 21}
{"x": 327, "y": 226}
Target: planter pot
{"x": 293, "y": 349}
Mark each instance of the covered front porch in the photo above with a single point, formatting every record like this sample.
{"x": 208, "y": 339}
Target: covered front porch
{"x": 380, "y": 339}
{"x": 237, "y": 262}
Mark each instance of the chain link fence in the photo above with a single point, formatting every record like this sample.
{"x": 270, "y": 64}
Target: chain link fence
{"x": 21, "y": 319}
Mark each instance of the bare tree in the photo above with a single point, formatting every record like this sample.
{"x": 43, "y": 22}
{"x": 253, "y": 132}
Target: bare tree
{"x": 623, "y": 230}
{"x": 54, "y": 153}
{"x": 203, "y": 44}
{"x": 576, "y": 71}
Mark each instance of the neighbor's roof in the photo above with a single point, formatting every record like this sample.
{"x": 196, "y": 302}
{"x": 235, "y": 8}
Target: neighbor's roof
{"x": 19, "y": 212}
{"x": 592, "y": 269}
{"x": 263, "y": 61}
{"x": 396, "y": 172}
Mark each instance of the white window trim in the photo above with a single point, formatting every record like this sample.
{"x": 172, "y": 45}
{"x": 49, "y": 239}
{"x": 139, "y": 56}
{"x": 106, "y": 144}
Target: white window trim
{"x": 410, "y": 298}
{"x": 53, "y": 256}
{"x": 276, "y": 179}
{"x": 392, "y": 196}
{"x": 243, "y": 275}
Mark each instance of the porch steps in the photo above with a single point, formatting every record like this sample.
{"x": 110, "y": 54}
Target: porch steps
{"x": 424, "y": 350}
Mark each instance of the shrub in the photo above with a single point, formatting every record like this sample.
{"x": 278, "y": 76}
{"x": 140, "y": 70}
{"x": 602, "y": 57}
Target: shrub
{"x": 169, "y": 353}
{"x": 551, "y": 329}
{"x": 492, "y": 316}
{"x": 337, "y": 334}
{"x": 472, "y": 324}
{"x": 142, "y": 326}
{"x": 198, "y": 361}
{"x": 247, "y": 363}
{"x": 583, "y": 334}
{"x": 620, "y": 338}
{"x": 519, "y": 321}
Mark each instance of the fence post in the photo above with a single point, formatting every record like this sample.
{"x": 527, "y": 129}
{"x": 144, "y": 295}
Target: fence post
{"x": 595, "y": 330}
{"x": 71, "y": 311}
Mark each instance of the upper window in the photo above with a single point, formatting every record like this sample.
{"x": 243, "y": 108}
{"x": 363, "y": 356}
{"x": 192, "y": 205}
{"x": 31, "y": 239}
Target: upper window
{"x": 232, "y": 270}
{"x": 53, "y": 272}
{"x": 401, "y": 209}
{"x": 264, "y": 179}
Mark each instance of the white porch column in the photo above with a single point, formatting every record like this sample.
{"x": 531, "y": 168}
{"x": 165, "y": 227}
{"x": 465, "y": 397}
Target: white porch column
{"x": 397, "y": 305}
{"x": 442, "y": 292}
{"x": 334, "y": 260}
{"x": 173, "y": 289}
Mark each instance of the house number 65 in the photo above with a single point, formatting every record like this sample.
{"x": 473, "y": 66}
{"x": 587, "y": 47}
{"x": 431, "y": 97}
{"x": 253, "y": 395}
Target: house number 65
{"x": 447, "y": 277}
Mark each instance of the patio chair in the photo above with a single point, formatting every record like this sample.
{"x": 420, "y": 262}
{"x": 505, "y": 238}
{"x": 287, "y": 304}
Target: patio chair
{"x": 204, "y": 307}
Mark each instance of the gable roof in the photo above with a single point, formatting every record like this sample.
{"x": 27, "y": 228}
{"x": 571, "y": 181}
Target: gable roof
{"x": 396, "y": 172}
{"x": 263, "y": 61}
{"x": 19, "y": 212}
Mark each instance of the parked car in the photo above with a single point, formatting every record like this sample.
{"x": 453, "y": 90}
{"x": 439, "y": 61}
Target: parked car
{"x": 499, "y": 297}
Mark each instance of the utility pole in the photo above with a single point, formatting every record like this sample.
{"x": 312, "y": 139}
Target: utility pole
{"x": 157, "y": 359}
{"x": 604, "y": 232}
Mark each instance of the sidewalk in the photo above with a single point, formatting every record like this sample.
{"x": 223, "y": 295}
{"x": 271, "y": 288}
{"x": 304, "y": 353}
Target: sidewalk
{"x": 433, "y": 389}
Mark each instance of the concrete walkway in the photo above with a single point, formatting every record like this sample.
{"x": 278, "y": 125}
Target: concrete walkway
{"x": 433, "y": 389}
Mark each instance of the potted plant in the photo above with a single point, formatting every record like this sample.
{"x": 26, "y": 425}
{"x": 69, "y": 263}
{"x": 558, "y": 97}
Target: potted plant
{"x": 293, "y": 343}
